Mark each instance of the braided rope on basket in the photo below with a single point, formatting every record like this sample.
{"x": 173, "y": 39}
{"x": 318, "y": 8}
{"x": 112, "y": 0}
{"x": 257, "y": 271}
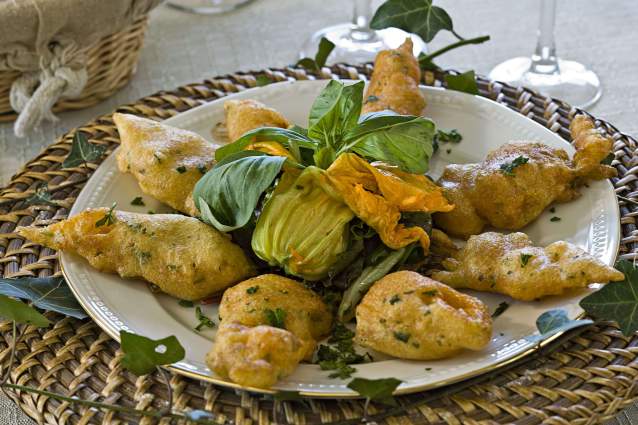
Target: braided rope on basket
{"x": 583, "y": 378}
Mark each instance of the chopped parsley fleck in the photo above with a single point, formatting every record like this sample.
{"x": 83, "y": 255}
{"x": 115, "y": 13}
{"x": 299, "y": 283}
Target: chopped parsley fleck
{"x": 202, "y": 169}
{"x": 158, "y": 158}
{"x": 108, "y": 218}
{"x": 138, "y": 201}
{"x": 340, "y": 354}
{"x": 372, "y": 98}
{"x": 402, "y": 336}
{"x": 151, "y": 212}
{"x": 430, "y": 293}
{"x": 448, "y": 151}
{"x": 181, "y": 169}
{"x": 395, "y": 299}
{"x": 525, "y": 259}
{"x": 508, "y": 168}
{"x": 252, "y": 290}
{"x": 204, "y": 321}
{"x": 451, "y": 136}
{"x": 427, "y": 369}
{"x": 502, "y": 307}
{"x": 555, "y": 218}
{"x": 185, "y": 303}
{"x": 276, "y": 318}
{"x": 552, "y": 210}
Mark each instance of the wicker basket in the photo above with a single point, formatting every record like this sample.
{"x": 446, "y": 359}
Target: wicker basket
{"x": 110, "y": 64}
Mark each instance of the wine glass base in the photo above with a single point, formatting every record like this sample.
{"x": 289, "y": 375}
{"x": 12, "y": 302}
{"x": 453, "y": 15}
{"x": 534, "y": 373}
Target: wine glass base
{"x": 357, "y": 47}
{"x": 574, "y": 83}
{"x": 207, "y": 7}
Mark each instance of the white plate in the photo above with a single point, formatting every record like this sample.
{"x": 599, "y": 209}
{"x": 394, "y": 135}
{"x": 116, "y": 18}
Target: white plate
{"x": 591, "y": 222}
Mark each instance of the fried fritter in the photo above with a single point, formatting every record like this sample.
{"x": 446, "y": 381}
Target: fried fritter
{"x": 254, "y": 356}
{"x": 249, "y": 114}
{"x": 181, "y": 255}
{"x": 395, "y": 82}
{"x": 410, "y": 316}
{"x": 511, "y": 265}
{"x": 518, "y": 180}
{"x": 166, "y": 161}
{"x": 253, "y": 301}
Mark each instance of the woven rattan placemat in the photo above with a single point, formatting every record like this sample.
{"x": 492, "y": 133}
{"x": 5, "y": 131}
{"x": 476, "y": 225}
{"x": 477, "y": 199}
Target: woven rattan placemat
{"x": 584, "y": 378}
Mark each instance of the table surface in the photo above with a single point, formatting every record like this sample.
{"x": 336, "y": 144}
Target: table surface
{"x": 182, "y": 48}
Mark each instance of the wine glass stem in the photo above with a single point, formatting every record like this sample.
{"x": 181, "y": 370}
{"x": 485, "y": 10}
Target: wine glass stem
{"x": 544, "y": 59}
{"x": 361, "y": 19}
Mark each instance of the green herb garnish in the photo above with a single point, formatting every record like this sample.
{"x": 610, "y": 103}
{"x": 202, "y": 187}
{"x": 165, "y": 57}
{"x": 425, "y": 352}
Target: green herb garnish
{"x": 430, "y": 293}
{"x": 181, "y": 169}
{"x": 340, "y": 354}
{"x": 401, "y": 336}
{"x": 555, "y": 218}
{"x": 204, "y": 321}
{"x": 252, "y": 290}
{"x": 502, "y": 307}
{"x": 276, "y": 317}
{"x": 108, "y": 218}
{"x": 395, "y": 299}
{"x": 508, "y": 168}
{"x": 185, "y": 303}
{"x": 138, "y": 201}
{"x": 525, "y": 259}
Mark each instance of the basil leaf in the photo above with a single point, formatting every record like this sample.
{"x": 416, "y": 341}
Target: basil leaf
{"x": 47, "y": 293}
{"x": 617, "y": 300}
{"x": 416, "y": 16}
{"x": 404, "y": 141}
{"x": 335, "y": 111}
{"x": 82, "y": 151}
{"x": 19, "y": 312}
{"x": 554, "y": 321}
{"x": 264, "y": 134}
{"x": 227, "y": 195}
{"x": 142, "y": 355}
{"x": 465, "y": 82}
{"x": 379, "y": 390}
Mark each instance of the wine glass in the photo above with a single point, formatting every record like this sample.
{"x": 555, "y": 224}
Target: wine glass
{"x": 207, "y": 7}
{"x": 355, "y": 42}
{"x": 545, "y": 72}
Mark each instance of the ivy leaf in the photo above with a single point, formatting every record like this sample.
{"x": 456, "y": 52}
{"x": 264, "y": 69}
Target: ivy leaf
{"x": 82, "y": 151}
{"x": 554, "y": 321}
{"x": 465, "y": 82}
{"x": 40, "y": 197}
{"x": 263, "y": 80}
{"x": 379, "y": 390}
{"x": 617, "y": 300}
{"x": 19, "y": 312}
{"x": 416, "y": 16}
{"x": 47, "y": 293}
{"x": 325, "y": 48}
{"x": 142, "y": 355}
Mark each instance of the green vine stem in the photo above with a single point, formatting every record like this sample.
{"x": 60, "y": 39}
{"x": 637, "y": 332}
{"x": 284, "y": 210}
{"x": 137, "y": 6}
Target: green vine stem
{"x": 462, "y": 42}
{"x": 105, "y": 406}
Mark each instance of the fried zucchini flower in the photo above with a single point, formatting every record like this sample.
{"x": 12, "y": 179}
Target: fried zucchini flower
{"x": 410, "y": 316}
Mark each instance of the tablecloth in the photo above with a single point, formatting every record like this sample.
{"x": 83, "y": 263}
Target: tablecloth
{"x": 182, "y": 48}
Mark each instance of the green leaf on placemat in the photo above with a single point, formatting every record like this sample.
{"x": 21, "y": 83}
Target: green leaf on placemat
{"x": 263, "y": 80}
{"x": 47, "y": 293}
{"x": 420, "y": 17}
{"x": 19, "y": 312}
{"x": 379, "y": 390}
{"x": 142, "y": 355}
{"x": 325, "y": 48}
{"x": 617, "y": 301}
{"x": 554, "y": 321}
{"x": 82, "y": 151}
{"x": 465, "y": 82}
{"x": 40, "y": 197}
